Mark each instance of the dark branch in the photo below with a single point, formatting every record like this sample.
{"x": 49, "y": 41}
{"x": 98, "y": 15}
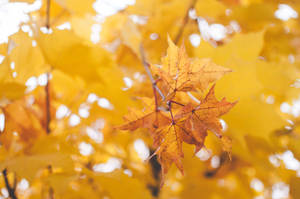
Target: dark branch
{"x": 156, "y": 169}
{"x": 11, "y": 189}
{"x": 48, "y": 116}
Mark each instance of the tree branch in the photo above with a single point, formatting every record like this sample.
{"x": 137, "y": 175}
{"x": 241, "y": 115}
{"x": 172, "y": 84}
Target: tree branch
{"x": 156, "y": 169}
{"x": 154, "y": 86}
{"x": 11, "y": 189}
{"x": 185, "y": 21}
{"x": 48, "y": 115}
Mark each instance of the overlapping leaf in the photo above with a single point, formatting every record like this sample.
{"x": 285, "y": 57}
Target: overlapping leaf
{"x": 200, "y": 118}
{"x": 148, "y": 118}
{"x": 180, "y": 73}
{"x": 192, "y": 121}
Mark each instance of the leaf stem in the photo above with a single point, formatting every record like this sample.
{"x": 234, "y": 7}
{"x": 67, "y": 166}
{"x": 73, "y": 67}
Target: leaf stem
{"x": 176, "y": 103}
{"x": 11, "y": 189}
{"x": 169, "y": 103}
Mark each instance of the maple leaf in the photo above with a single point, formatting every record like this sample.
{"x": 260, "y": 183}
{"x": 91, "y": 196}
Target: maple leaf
{"x": 189, "y": 125}
{"x": 180, "y": 73}
{"x": 198, "y": 119}
{"x": 169, "y": 142}
{"x": 166, "y": 135}
{"x": 167, "y": 138}
{"x": 148, "y": 118}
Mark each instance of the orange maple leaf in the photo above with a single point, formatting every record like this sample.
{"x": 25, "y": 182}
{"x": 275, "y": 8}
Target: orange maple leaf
{"x": 165, "y": 134}
{"x": 198, "y": 119}
{"x": 179, "y": 73}
{"x": 189, "y": 125}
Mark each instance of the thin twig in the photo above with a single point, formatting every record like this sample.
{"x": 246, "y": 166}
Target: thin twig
{"x": 48, "y": 14}
{"x": 154, "y": 86}
{"x": 185, "y": 21}
{"x": 10, "y": 189}
{"x": 48, "y": 115}
{"x": 155, "y": 98}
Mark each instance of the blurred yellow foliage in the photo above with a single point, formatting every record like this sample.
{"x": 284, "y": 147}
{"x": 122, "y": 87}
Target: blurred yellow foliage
{"x": 72, "y": 69}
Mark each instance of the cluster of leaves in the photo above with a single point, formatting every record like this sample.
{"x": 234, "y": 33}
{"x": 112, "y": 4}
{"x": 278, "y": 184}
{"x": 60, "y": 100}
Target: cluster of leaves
{"x": 189, "y": 123}
{"x": 64, "y": 96}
